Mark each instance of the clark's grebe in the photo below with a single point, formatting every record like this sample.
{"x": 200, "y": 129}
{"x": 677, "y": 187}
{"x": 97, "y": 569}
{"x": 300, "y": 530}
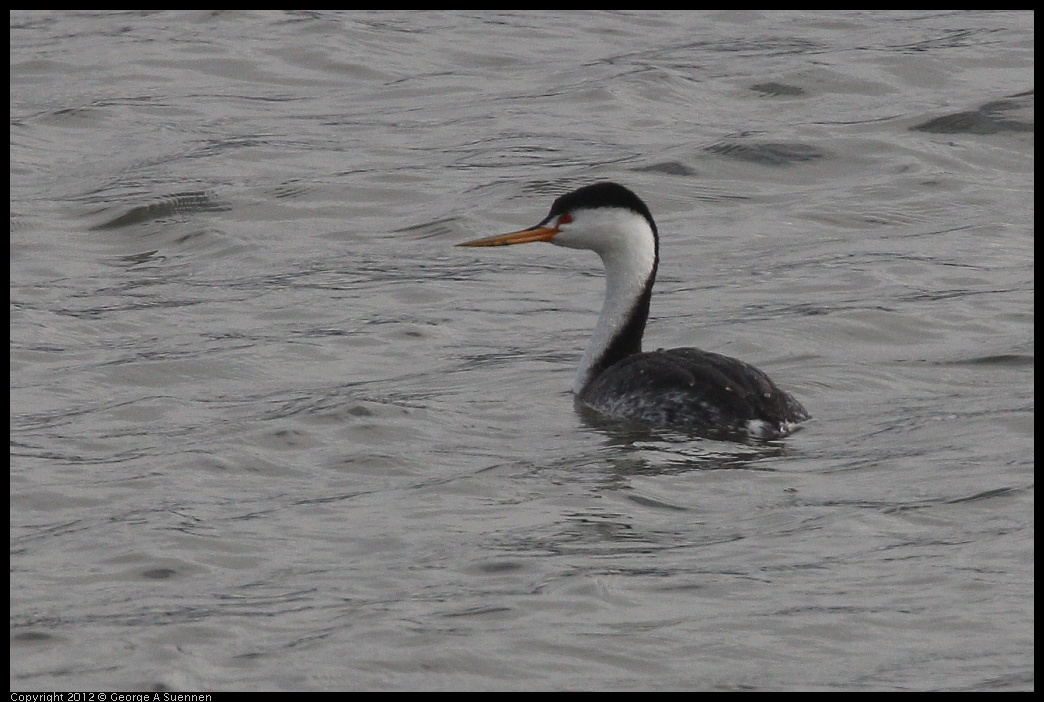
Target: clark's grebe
{"x": 683, "y": 387}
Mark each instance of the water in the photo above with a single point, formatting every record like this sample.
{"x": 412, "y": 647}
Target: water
{"x": 271, "y": 430}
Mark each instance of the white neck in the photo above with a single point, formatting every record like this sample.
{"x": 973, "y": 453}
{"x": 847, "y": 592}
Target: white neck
{"x": 627, "y": 247}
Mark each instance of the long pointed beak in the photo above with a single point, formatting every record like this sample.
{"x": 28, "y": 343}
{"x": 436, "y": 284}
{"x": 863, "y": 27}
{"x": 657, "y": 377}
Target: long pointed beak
{"x": 522, "y": 237}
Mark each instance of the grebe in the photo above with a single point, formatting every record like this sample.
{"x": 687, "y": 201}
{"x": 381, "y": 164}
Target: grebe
{"x": 684, "y": 387}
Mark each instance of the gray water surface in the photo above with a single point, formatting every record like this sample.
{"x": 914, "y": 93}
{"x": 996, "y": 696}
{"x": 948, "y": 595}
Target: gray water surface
{"x": 270, "y": 430}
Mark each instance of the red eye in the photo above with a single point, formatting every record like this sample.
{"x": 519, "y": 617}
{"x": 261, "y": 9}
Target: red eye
{"x": 565, "y": 219}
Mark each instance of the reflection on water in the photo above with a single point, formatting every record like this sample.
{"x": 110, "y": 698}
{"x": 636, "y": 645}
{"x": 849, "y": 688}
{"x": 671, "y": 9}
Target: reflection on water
{"x": 698, "y": 450}
{"x": 992, "y": 118}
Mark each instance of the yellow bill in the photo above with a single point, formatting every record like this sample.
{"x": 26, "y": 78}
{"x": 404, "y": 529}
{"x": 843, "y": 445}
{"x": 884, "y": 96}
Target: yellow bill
{"x": 523, "y": 237}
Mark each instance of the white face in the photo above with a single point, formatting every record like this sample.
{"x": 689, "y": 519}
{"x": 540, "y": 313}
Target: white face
{"x": 609, "y": 231}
